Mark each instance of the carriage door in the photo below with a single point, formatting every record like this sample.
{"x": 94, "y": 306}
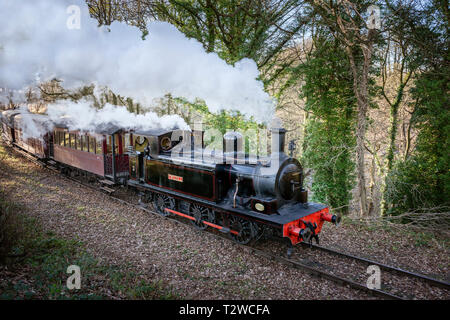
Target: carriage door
{"x": 114, "y": 150}
{"x": 51, "y": 142}
{"x": 141, "y": 160}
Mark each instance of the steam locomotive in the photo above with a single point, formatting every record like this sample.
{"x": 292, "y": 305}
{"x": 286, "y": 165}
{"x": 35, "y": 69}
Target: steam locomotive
{"x": 245, "y": 196}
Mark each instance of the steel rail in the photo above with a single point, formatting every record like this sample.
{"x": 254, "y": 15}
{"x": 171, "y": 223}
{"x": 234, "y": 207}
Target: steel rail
{"x": 431, "y": 281}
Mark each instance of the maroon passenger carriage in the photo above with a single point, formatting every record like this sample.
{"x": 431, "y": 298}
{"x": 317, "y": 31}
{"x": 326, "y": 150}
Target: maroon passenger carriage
{"x": 7, "y": 124}
{"x": 28, "y": 131}
{"x": 100, "y": 153}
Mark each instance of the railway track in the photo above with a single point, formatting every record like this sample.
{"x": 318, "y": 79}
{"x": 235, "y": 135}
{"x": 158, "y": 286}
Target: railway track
{"x": 305, "y": 265}
{"x": 393, "y": 280}
{"x": 432, "y": 281}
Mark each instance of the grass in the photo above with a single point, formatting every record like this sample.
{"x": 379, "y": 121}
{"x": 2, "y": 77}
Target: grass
{"x": 423, "y": 239}
{"x": 36, "y": 267}
{"x": 10, "y": 228}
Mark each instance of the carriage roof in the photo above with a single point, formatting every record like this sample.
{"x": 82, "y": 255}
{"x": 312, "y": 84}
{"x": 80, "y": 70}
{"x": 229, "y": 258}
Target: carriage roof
{"x": 7, "y": 116}
{"x": 38, "y": 119}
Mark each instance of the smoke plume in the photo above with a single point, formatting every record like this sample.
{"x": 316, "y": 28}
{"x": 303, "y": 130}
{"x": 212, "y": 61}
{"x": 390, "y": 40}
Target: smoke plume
{"x": 114, "y": 115}
{"x": 40, "y": 40}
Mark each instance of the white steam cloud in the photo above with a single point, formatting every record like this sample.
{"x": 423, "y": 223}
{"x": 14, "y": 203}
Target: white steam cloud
{"x": 37, "y": 44}
{"x": 113, "y": 115}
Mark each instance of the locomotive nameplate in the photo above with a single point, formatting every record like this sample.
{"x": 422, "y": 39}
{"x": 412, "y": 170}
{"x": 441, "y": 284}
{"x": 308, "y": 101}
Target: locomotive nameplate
{"x": 175, "y": 178}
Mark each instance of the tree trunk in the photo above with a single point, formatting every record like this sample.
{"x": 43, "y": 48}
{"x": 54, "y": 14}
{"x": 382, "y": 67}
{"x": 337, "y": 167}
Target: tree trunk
{"x": 393, "y": 134}
{"x": 360, "y": 88}
{"x": 394, "y": 119}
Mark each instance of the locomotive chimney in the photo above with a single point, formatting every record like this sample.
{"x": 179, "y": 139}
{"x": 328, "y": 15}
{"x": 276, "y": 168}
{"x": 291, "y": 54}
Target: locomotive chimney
{"x": 232, "y": 147}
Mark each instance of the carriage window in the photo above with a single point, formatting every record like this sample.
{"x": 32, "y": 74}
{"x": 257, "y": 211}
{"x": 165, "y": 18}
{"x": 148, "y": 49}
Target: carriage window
{"x": 82, "y": 148}
{"x": 126, "y": 142}
{"x": 77, "y": 139}
{"x": 61, "y": 138}
{"x": 108, "y": 145}
{"x": 55, "y": 137}
{"x": 66, "y": 139}
{"x": 91, "y": 144}
{"x": 85, "y": 143}
{"x": 116, "y": 143}
{"x": 99, "y": 146}
{"x": 72, "y": 141}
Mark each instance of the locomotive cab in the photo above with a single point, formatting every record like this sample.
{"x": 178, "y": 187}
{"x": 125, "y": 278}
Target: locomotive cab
{"x": 149, "y": 145}
{"x": 141, "y": 146}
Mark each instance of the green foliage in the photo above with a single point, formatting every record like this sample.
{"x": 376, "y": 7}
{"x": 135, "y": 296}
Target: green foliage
{"x": 222, "y": 121}
{"x": 329, "y": 134}
{"x": 433, "y": 121}
{"x": 408, "y": 186}
{"x": 10, "y": 226}
{"x": 228, "y": 120}
{"x": 327, "y": 153}
{"x": 422, "y": 181}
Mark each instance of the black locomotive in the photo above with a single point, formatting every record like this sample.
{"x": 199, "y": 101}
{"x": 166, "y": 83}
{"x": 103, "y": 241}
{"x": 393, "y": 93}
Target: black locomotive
{"x": 225, "y": 190}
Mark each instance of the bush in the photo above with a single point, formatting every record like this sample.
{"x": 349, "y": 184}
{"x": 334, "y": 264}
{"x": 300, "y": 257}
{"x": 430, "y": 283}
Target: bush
{"x": 413, "y": 184}
{"x": 10, "y": 228}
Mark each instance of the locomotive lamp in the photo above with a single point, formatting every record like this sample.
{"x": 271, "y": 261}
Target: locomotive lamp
{"x": 259, "y": 206}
